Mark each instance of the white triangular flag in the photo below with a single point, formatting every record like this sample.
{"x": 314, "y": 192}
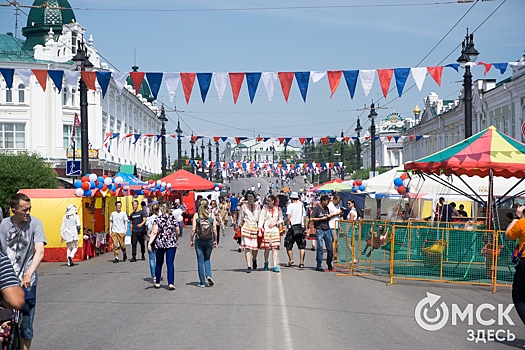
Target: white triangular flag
{"x": 120, "y": 79}
{"x": 220, "y": 80}
{"x": 269, "y": 79}
{"x": 521, "y": 62}
{"x": 25, "y": 75}
{"x": 419, "y": 74}
{"x": 72, "y": 78}
{"x": 367, "y": 80}
{"x": 316, "y": 76}
{"x": 172, "y": 81}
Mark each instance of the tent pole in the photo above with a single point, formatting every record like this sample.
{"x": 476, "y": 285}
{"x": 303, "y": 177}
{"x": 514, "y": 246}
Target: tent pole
{"x": 466, "y": 184}
{"x": 489, "y": 201}
{"x": 510, "y": 189}
{"x": 446, "y": 184}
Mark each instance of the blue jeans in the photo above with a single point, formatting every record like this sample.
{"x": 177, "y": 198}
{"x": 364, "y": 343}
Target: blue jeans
{"x": 326, "y": 236}
{"x": 332, "y": 233}
{"x": 180, "y": 228}
{"x": 203, "y": 250}
{"x": 152, "y": 261}
{"x": 26, "y": 322}
{"x": 170, "y": 258}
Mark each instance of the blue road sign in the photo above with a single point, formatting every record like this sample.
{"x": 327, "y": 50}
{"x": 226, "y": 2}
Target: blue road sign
{"x": 73, "y": 168}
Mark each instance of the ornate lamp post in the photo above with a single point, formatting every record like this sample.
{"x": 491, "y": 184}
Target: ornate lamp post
{"x": 179, "y": 145}
{"x": 81, "y": 59}
{"x": 342, "y": 155}
{"x": 163, "y": 119}
{"x": 192, "y": 143}
{"x": 209, "y": 159}
{"x": 358, "y": 143}
{"x": 373, "y": 116}
{"x": 202, "y": 157}
{"x": 468, "y": 54}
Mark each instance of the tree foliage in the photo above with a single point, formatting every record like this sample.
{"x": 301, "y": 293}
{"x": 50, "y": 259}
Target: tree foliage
{"x": 327, "y": 153}
{"x": 23, "y": 170}
{"x": 364, "y": 174}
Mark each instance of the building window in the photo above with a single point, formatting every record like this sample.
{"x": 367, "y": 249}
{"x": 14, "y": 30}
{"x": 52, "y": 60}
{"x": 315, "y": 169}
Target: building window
{"x": 73, "y": 97}
{"x": 396, "y": 158}
{"x": 64, "y": 97}
{"x": 67, "y": 136}
{"x": 21, "y": 93}
{"x": 8, "y": 95}
{"x": 12, "y": 135}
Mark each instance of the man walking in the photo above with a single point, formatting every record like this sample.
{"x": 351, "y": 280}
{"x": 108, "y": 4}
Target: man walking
{"x": 22, "y": 239}
{"x": 138, "y": 232}
{"x": 296, "y": 233}
{"x": 320, "y": 217}
{"x": 118, "y": 223}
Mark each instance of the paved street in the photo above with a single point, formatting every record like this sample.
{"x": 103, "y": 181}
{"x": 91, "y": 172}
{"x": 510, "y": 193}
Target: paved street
{"x": 100, "y": 305}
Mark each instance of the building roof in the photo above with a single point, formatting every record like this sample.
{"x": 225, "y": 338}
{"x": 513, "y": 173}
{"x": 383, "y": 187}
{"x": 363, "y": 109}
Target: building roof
{"x": 11, "y": 49}
{"x": 43, "y": 16}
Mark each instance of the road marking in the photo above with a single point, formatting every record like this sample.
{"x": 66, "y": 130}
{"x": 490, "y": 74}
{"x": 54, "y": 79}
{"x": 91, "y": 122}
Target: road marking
{"x": 284, "y": 314}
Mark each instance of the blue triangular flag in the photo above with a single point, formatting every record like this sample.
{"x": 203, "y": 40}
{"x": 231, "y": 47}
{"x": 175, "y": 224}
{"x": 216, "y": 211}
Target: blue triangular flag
{"x": 252, "y": 79}
{"x": 136, "y": 137}
{"x": 103, "y": 79}
{"x": 287, "y": 139}
{"x": 303, "y": 78}
{"x": 419, "y": 138}
{"x": 401, "y": 75}
{"x": 56, "y": 76}
{"x": 501, "y": 66}
{"x": 351, "y": 80}
{"x": 309, "y": 139}
{"x": 224, "y": 138}
{"x": 331, "y": 139}
{"x": 204, "y": 80}
{"x": 8, "y": 74}
{"x": 453, "y": 65}
{"x": 154, "y": 81}
{"x": 396, "y": 138}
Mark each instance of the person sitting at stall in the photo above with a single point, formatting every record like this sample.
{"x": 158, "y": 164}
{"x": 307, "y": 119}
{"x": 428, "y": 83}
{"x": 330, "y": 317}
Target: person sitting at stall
{"x": 407, "y": 212}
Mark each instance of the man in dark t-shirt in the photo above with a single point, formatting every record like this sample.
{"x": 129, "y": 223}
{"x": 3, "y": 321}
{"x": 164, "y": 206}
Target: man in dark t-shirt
{"x": 320, "y": 216}
{"x": 138, "y": 232}
{"x": 283, "y": 202}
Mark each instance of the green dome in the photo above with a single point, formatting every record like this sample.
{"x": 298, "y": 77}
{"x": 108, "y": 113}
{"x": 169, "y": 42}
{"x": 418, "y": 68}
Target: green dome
{"x": 42, "y": 18}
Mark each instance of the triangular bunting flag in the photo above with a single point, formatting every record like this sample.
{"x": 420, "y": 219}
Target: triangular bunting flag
{"x": 41, "y": 76}
{"x": 25, "y": 75}
{"x": 334, "y": 77}
{"x": 120, "y": 79}
{"x": 385, "y": 76}
{"x": 401, "y": 75}
{"x": 252, "y": 79}
{"x": 137, "y": 78}
{"x": 72, "y": 78}
{"x": 317, "y": 76}
{"x": 488, "y": 66}
{"x": 303, "y": 78}
{"x": 281, "y": 140}
{"x": 103, "y": 79}
{"x": 302, "y": 140}
{"x": 389, "y": 138}
{"x": 188, "y": 79}
{"x": 418, "y": 138}
{"x": 324, "y": 140}
{"x": 236, "y": 80}
{"x": 396, "y": 138}
{"x": 216, "y": 138}
{"x": 8, "y": 75}
{"x": 501, "y": 66}
{"x": 436, "y": 72}
{"x": 220, "y": 80}
{"x": 419, "y": 74}
{"x": 89, "y": 79}
{"x": 154, "y": 82}
{"x": 269, "y": 79}
{"x": 172, "y": 82}
{"x": 57, "y": 76}
{"x": 351, "y": 80}
{"x": 288, "y": 139}
{"x": 204, "y": 80}
{"x": 286, "y": 79}
{"x": 367, "y": 80}
{"x": 453, "y": 65}
{"x": 224, "y": 138}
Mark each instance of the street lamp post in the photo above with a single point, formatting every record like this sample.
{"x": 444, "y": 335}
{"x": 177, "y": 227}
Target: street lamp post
{"x": 163, "y": 119}
{"x": 179, "y": 145}
{"x": 373, "y": 116}
{"x": 329, "y": 161}
{"x": 342, "y": 155}
{"x": 192, "y": 143}
{"x": 202, "y": 157}
{"x": 358, "y": 144}
{"x": 219, "y": 173}
{"x": 255, "y": 156}
{"x": 209, "y": 158}
{"x": 81, "y": 59}
{"x": 468, "y": 55}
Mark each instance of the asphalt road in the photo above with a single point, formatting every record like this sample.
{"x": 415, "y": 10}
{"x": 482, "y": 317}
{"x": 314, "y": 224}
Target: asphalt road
{"x": 100, "y": 305}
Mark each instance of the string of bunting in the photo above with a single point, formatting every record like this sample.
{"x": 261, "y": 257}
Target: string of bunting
{"x": 236, "y": 80}
{"x": 255, "y": 167}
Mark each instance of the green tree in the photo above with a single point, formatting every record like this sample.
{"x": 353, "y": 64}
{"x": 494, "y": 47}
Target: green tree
{"x": 364, "y": 174}
{"x": 23, "y": 170}
{"x": 331, "y": 153}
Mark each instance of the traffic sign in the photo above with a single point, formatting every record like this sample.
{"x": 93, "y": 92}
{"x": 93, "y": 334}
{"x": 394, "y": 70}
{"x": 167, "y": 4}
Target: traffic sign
{"x": 73, "y": 168}
{"x": 523, "y": 128}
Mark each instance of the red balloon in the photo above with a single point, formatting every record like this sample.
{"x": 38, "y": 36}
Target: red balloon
{"x": 84, "y": 179}
{"x": 401, "y": 190}
{"x": 112, "y": 193}
{"x": 104, "y": 187}
{"x": 359, "y": 182}
{"x": 85, "y": 185}
{"x": 104, "y": 176}
{"x": 404, "y": 176}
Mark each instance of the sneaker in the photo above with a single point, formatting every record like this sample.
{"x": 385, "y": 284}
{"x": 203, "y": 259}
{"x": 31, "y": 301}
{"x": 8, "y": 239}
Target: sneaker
{"x": 69, "y": 261}
{"x": 115, "y": 261}
{"x": 152, "y": 279}
{"x": 143, "y": 257}
{"x": 275, "y": 269}
{"x": 124, "y": 256}
{"x": 156, "y": 285}
{"x": 255, "y": 264}
{"x": 330, "y": 268}
{"x": 133, "y": 259}
{"x": 265, "y": 266}
{"x": 201, "y": 285}
{"x": 210, "y": 281}
{"x": 248, "y": 270}
{"x": 319, "y": 269}
{"x": 171, "y": 287}
{"x": 239, "y": 250}
{"x": 312, "y": 249}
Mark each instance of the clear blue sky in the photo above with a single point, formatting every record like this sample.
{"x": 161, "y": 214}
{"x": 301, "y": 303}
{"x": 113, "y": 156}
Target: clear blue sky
{"x": 326, "y": 37}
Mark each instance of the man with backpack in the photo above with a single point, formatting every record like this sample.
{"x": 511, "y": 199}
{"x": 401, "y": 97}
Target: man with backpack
{"x": 203, "y": 239}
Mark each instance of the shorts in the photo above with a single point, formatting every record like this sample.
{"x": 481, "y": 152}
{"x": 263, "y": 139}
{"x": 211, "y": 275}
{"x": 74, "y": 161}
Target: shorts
{"x": 290, "y": 239}
{"x": 26, "y": 321}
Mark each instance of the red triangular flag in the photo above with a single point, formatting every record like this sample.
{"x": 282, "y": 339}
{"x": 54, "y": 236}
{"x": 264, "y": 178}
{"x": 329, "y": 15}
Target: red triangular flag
{"x": 286, "y": 79}
{"x": 411, "y": 137}
{"x": 216, "y": 138}
{"x": 436, "y": 72}
{"x": 41, "y": 76}
{"x": 389, "y": 138}
{"x": 236, "y": 80}
{"x": 212, "y": 164}
{"x": 137, "y": 78}
{"x": 195, "y": 138}
{"x": 187, "y": 79}
{"x": 488, "y": 66}
{"x": 385, "y": 76}
{"x": 324, "y": 140}
{"x": 259, "y": 139}
{"x": 302, "y": 140}
{"x": 334, "y": 77}
{"x": 187, "y": 161}
{"x": 281, "y": 139}
{"x": 90, "y": 78}
{"x": 238, "y": 140}
{"x": 347, "y": 138}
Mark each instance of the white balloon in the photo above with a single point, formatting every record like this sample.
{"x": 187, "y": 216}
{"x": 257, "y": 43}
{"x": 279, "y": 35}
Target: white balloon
{"x": 406, "y": 182}
{"x": 93, "y": 177}
{"x": 163, "y": 184}
{"x": 159, "y": 182}
{"x": 168, "y": 184}
{"x": 216, "y": 188}
{"x": 79, "y": 192}
{"x": 119, "y": 180}
{"x": 108, "y": 180}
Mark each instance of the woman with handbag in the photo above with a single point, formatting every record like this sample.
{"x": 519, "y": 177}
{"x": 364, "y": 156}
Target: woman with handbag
{"x": 164, "y": 237}
{"x": 248, "y": 221}
{"x": 269, "y": 221}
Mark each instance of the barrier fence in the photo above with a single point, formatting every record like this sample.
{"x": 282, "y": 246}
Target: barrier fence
{"x": 437, "y": 253}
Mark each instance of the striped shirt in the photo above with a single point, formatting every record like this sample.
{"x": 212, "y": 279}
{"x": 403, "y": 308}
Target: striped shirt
{"x": 7, "y": 274}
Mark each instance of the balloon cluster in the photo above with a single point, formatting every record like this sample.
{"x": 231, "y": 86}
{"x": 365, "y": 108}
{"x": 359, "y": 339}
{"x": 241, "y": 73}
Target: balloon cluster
{"x": 359, "y": 185}
{"x": 87, "y": 185}
{"x": 218, "y": 186}
{"x": 155, "y": 188}
{"x": 401, "y": 184}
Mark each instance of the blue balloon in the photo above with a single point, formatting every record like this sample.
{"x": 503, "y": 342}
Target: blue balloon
{"x": 353, "y": 189}
{"x": 78, "y": 184}
{"x": 92, "y": 185}
{"x": 398, "y": 181}
{"x": 100, "y": 179}
{"x": 162, "y": 189}
{"x": 362, "y": 188}
{"x": 112, "y": 187}
{"x": 140, "y": 192}
{"x": 100, "y": 185}
{"x": 157, "y": 187}
{"x": 87, "y": 193}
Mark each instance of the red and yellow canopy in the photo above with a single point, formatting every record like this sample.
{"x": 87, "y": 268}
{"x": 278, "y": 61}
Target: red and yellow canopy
{"x": 488, "y": 149}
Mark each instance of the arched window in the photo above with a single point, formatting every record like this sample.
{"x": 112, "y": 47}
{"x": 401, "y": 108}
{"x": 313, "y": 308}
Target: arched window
{"x": 21, "y": 93}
